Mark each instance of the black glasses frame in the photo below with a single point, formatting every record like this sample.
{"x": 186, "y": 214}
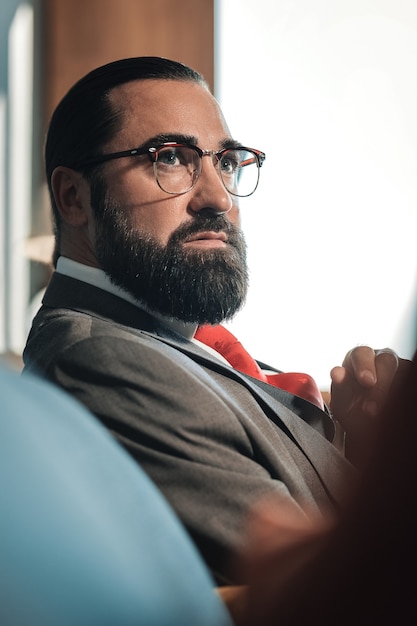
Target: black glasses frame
{"x": 153, "y": 151}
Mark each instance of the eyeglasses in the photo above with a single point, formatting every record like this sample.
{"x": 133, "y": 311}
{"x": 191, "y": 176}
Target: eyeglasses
{"x": 177, "y": 166}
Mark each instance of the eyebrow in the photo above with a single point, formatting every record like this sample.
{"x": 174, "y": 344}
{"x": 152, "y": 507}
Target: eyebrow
{"x": 225, "y": 144}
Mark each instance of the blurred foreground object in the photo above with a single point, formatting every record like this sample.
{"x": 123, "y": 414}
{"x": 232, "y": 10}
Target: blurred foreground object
{"x": 361, "y": 568}
{"x": 86, "y": 539}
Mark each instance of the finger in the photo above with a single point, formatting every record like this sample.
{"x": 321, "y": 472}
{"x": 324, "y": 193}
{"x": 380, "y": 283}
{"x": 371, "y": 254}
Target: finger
{"x": 344, "y": 393}
{"x": 387, "y": 362}
{"x": 386, "y": 367}
{"x": 338, "y": 375}
{"x": 361, "y": 363}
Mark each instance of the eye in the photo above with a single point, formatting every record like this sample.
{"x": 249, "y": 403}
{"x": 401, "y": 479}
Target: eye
{"x": 170, "y": 156}
{"x": 230, "y": 162}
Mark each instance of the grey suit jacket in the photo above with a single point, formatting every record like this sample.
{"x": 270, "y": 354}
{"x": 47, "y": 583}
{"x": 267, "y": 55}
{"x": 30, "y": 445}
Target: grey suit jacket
{"x": 212, "y": 439}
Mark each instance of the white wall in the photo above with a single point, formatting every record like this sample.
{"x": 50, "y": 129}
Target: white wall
{"x": 16, "y": 111}
{"x": 2, "y": 221}
{"x": 328, "y": 89}
{"x": 20, "y": 172}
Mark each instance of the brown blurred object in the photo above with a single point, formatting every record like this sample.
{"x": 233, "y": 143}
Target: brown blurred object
{"x": 12, "y": 360}
{"x": 235, "y": 598}
{"x": 361, "y": 569}
{"x": 40, "y": 249}
{"x": 80, "y": 35}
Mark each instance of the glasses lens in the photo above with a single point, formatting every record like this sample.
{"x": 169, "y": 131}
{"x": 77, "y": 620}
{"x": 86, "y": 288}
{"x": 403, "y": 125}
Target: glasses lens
{"x": 177, "y": 168}
{"x": 239, "y": 170}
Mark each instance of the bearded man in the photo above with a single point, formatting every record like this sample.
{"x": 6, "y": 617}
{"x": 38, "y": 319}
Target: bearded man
{"x": 144, "y": 179}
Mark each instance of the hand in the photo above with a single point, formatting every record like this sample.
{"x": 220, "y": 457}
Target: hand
{"x": 360, "y": 388}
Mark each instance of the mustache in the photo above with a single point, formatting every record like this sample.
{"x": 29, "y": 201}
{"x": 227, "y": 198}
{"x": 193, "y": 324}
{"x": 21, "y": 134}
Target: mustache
{"x": 213, "y": 223}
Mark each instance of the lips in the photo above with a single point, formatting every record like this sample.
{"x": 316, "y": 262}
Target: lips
{"x": 207, "y": 236}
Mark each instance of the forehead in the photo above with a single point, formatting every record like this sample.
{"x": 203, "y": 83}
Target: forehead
{"x": 152, "y": 107}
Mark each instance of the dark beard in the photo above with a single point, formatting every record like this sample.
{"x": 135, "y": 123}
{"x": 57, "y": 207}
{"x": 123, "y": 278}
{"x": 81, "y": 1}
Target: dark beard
{"x": 198, "y": 286}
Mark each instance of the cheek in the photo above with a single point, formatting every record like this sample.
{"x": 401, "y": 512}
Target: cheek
{"x": 151, "y": 211}
{"x": 158, "y": 219}
{"x": 234, "y": 215}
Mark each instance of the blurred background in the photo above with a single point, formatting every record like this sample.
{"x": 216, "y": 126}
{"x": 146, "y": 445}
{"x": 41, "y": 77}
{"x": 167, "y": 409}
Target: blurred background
{"x": 327, "y": 88}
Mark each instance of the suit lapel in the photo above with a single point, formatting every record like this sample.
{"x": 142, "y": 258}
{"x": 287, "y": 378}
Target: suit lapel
{"x": 290, "y": 414}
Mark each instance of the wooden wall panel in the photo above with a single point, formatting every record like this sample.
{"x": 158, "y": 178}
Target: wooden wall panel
{"x": 79, "y": 35}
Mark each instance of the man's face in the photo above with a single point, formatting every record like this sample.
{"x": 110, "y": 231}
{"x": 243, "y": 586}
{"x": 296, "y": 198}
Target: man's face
{"x": 182, "y": 255}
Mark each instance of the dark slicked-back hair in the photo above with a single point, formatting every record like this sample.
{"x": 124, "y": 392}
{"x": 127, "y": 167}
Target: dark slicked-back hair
{"x": 84, "y": 120}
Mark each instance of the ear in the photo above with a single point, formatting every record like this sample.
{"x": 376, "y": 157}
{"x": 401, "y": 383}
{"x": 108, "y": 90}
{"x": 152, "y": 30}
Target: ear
{"x": 72, "y": 195}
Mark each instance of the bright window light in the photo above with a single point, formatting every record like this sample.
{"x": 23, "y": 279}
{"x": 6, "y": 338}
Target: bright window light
{"x": 328, "y": 91}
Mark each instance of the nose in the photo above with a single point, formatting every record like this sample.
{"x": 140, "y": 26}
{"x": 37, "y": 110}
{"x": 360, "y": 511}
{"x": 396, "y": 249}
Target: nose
{"x": 209, "y": 193}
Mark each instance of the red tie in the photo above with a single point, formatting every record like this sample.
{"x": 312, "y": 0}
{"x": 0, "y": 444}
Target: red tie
{"x": 221, "y": 340}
